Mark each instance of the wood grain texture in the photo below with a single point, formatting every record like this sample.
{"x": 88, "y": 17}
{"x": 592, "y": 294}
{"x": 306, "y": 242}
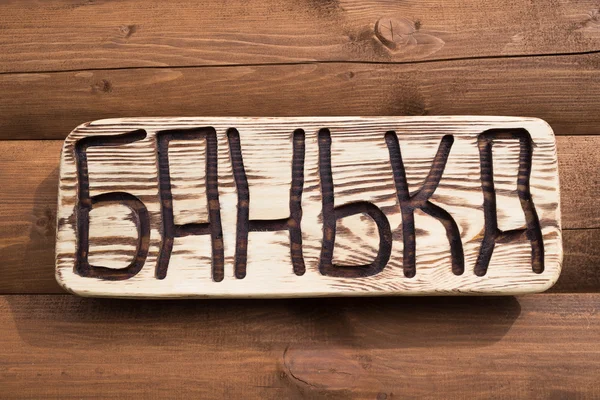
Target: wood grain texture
{"x": 580, "y": 272}
{"x": 29, "y": 174}
{"x": 542, "y": 346}
{"x": 72, "y": 34}
{"x": 112, "y": 163}
{"x": 48, "y": 106}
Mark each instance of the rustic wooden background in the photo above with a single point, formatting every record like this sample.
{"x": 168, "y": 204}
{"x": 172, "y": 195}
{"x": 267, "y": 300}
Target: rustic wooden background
{"x": 65, "y": 62}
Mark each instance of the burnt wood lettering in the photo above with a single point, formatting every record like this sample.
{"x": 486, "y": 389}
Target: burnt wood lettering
{"x": 420, "y": 200}
{"x": 86, "y": 202}
{"x": 492, "y": 234}
{"x": 343, "y": 206}
{"x": 213, "y": 227}
{"x": 244, "y": 225}
{"x": 331, "y": 214}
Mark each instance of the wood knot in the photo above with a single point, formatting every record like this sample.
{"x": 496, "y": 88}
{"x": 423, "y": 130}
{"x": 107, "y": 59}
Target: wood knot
{"x": 395, "y": 32}
{"x": 44, "y": 223}
{"x": 347, "y": 75}
{"x": 594, "y": 19}
{"x": 127, "y": 30}
{"x": 103, "y": 86}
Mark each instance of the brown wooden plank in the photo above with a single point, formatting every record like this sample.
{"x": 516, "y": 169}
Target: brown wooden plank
{"x": 561, "y": 90}
{"x": 75, "y": 34}
{"x": 580, "y": 190}
{"x": 29, "y": 176}
{"x": 581, "y": 271}
{"x": 538, "y": 346}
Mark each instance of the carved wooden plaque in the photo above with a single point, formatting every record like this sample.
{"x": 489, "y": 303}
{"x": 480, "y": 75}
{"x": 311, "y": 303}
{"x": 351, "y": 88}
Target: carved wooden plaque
{"x": 289, "y": 207}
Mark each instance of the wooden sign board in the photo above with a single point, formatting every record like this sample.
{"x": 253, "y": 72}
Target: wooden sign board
{"x": 297, "y": 207}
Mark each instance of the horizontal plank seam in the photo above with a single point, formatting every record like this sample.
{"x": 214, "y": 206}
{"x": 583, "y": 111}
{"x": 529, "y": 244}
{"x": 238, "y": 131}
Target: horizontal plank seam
{"x": 33, "y": 139}
{"x": 428, "y": 61}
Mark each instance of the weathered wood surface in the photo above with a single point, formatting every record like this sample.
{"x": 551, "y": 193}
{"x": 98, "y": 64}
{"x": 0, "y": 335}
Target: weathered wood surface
{"x": 271, "y": 207}
{"x": 537, "y": 346}
{"x": 29, "y": 172}
{"x": 562, "y": 90}
{"x": 72, "y": 34}
{"x": 65, "y": 347}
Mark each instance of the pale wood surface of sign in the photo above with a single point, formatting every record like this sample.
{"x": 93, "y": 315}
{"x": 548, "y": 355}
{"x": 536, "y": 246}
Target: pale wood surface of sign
{"x": 299, "y": 207}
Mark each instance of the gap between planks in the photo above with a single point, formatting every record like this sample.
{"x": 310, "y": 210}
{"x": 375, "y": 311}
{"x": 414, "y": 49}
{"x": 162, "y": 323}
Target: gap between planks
{"x": 282, "y": 64}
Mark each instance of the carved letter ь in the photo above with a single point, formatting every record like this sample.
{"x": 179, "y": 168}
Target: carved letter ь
{"x": 440, "y": 234}
{"x": 331, "y": 214}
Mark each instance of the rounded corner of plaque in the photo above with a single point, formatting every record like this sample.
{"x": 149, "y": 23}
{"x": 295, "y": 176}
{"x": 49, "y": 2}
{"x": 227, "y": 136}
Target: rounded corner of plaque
{"x": 544, "y": 125}
{"x": 81, "y": 126}
{"x": 60, "y": 279}
{"x": 552, "y": 277}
